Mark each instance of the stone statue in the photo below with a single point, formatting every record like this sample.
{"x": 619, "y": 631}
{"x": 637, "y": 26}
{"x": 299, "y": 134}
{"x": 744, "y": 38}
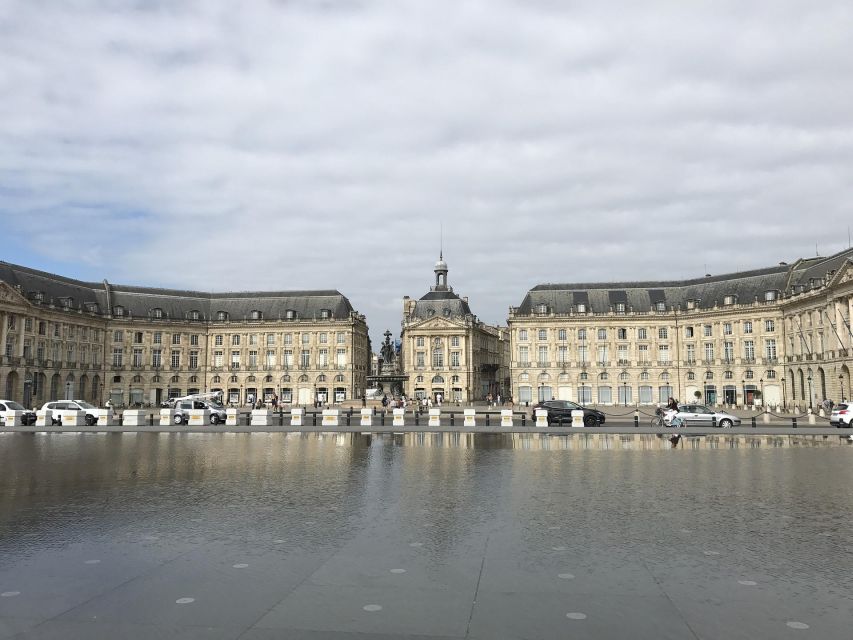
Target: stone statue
{"x": 387, "y": 351}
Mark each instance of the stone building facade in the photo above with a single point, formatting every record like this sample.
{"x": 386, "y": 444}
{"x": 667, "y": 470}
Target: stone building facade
{"x": 780, "y": 335}
{"x": 135, "y": 345}
{"x": 447, "y": 352}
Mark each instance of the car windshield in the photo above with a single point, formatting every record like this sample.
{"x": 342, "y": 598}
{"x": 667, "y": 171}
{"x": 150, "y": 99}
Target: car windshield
{"x": 14, "y": 406}
{"x": 216, "y": 405}
{"x": 840, "y": 407}
{"x": 85, "y": 404}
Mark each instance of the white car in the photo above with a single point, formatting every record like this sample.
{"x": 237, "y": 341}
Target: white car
{"x": 72, "y": 405}
{"x": 29, "y": 418}
{"x": 841, "y": 416}
{"x": 698, "y": 415}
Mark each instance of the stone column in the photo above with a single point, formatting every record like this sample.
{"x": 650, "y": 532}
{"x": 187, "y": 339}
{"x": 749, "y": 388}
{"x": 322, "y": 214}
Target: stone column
{"x": 4, "y": 319}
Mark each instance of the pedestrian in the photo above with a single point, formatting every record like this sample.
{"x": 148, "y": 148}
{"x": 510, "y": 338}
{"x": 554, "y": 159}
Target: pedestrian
{"x": 438, "y": 398}
{"x": 499, "y": 400}
{"x": 672, "y": 404}
{"x": 274, "y": 402}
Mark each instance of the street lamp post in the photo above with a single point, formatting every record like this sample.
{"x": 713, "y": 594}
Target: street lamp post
{"x": 763, "y": 401}
{"x": 784, "y": 395}
{"x": 743, "y": 390}
{"x": 810, "y": 390}
{"x": 841, "y": 384}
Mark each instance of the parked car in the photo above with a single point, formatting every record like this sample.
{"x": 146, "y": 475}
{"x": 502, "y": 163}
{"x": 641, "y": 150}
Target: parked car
{"x": 841, "y": 416}
{"x": 698, "y": 415}
{"x": 182, "y": 411}
{"x": 29, "y": 417}
{"x": 72, "y": 405}
{"x": 561, "y": 411}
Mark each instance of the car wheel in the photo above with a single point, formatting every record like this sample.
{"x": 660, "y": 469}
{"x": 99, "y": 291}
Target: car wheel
{"x": 91, "y": 420}
{"x": 725, "y": 423}
{"x": 214, "y": 419}
{"x": 590, "y": 421}
{"x": 178, "y": 419}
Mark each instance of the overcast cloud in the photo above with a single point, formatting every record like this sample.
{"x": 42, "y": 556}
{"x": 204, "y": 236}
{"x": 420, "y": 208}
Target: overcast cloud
{"x": 298, "y": 144}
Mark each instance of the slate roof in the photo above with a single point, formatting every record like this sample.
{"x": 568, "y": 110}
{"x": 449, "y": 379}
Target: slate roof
{"x": 441, "y": 303}
{"x": 176, "y": 304}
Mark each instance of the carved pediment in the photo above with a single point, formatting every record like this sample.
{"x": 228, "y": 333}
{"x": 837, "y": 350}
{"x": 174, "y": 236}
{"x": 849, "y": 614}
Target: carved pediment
{"x": 11, "y": 295}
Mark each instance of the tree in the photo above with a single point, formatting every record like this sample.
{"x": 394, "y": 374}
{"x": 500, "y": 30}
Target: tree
{"x": 697, "y": 394}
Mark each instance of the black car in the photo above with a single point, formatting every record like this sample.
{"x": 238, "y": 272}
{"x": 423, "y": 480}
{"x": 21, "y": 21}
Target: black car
{"x": 560, "y": 411}
{"x": 29, "y": 417}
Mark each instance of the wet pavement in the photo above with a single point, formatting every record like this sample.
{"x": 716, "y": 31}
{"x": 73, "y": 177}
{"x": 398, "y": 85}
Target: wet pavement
{"x": 351, "y": 536}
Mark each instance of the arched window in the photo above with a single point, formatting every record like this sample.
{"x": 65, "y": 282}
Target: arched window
{"x": 193, "y": 378}
{"x": 339, "y": 378}
{"x": 216, "y": 380}
{"x": 419, "y": 379}
{"x": 233, "y": 378}
{"x": 437, "y": 380}
{"x": 691, "y": 375}
{"x": 321, "y": 378}
{"x": 624, "y": 376}
{"x": 604, "y": 376}
{"x": 584, "y": 376}
{"x": 303, "y": 378}
{"x": 709, "y": 375}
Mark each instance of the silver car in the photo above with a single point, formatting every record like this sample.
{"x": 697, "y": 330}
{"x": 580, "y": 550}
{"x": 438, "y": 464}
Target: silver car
{"x": 698, "y": 415}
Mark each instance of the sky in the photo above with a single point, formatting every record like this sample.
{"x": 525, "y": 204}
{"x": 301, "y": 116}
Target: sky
{"x": 295, "y": 144}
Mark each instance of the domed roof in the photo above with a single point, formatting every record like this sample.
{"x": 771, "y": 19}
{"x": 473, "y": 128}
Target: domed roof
{"x": 441, "y": 265}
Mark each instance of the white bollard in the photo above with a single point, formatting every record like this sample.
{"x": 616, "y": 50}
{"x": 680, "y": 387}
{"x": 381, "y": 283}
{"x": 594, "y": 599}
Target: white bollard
{"x": 506, "y": 417}
{"x": 44, "y": 418}
{"x": 12, "y": 418}
{"x": 166, "y": 417}
{"x": 330, "y": 417}
{"x": 765, "y": 418}
{"x": 106, "y": 417}
{"x": 577, "y": 418}
{"x": 296, "y": 415}
{"x": 470, "y": 419}
{"x": 541, "y": 417}
{"x": 73, "y": 418}
{"x": 199, "y": 417}
{"x": 261, "y": 418}
{"x": 132, "y": 418}
{"x": 399, "y": 419}
{"x": 366, "y": 418}
{"x": 231, "y": 419}
{"x": 434, "y": 418}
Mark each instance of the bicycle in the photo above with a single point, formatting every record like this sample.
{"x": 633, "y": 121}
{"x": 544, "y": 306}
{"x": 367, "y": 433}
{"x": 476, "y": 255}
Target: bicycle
{"x": 660, "y": 420}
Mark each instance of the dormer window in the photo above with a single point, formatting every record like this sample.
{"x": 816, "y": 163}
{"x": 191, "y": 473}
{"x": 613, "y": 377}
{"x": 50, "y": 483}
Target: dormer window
{"x": 770, "y": 296}
{"x": 66, "y": 302}
{"x": 194, "y": 315}
{"x": 691, "y": 304}
{"x": 620, "y": 307}
{"x": 256, "y": 315}
{"x": 118, "y": 311}
{"x": 38, "y": 296}
{"x": 542, "y": 309}
{"x": 446, "y": 312}
{"x": 581, "y": 307}
{"x": 660, "y": 307}
{"x": 92, "y": 307}
{"x": 728, "y": 300}
{"x": 290, "y": 314}
{"x": 222, "y": 316}
{"x": 157, "y": 313}
{"x": 325, "y": 314}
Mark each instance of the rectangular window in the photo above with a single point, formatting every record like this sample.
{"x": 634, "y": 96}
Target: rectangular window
{"x": 323, "y": 357}
{"x": 602, "y": 334}
{"x": 691, "y": 354}
{"x": 235, "y": 359}
{"x": 643, "y": 353}
{"x": 642, "y": 334}
{"x": 270, "y": 339}
{"x": 706, "y": 331}
{"x": 583, "y": 354}
{"x": 270, "y": 358}
{"x": 288, "y": 358}
{"x": 727, "y": 328}
{"x": 194, "y": 340}
{"x": 118, "y": 355}
{"x": 543, "y": 356}
{"x": 602, "y": 354}
{"x": 306, "y": 338}
{"x": 70, "y": 353}
{"x": 305, "y": 358}
{"x": 158, "y": 337}
{"x": 770, "y": 348}
{"x": 663, "y": 353}
{"x": 218, "y": 359}
{"x": 729, "y": 351}
{"x": 581, "y": 334}
{"x": 561, "y": 334}
{"x": 253, "y": 358}
{"x": 454, "y": 341}
{"x": 522, "y": 334}
{"x": 622, "y": 334}
{"x": 749, "y": 349}
{"x": 288, "y": 338}
{"x": 56, "y": 330}
{"x": 454, "y": 358}
{"x": 688, "y": 332}
{"x": 437, "y": 358}
{"x": 137, "y": 358}
{"x": 218, "y": 341}
{"x": 176, "y": 338}
{"x": 562, "y": 354}
{"x": 341, "y": 357}
{"x": 419, "y": 341}
{"x": 235, "y": 340}
{"x": 28, "y": 324}
{"x": 543, "y": 334}
{"x": 157, "y": 358}
{"x": 663, "y": 333}
{"x": 523, "y": 355}
{"x": 709, "y": 351}
{"x": 747, "y": 326}
{"x": 341, "y": 337}
{"x": 769, "y": 326}
{"x": 622, "y": 353}
{"x": 323, "y": 337}
{"x": 118, "y": 336}
{"x": 420, "y": 359}
{"x": 175, "y": 359}
{"x": 253, "y": 339}
{"x": 84, "y": 355}
{"x": 193, "y": 359}
{"x": 137, "y": 337}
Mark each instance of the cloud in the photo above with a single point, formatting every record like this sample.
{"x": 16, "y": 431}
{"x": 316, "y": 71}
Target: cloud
{"x": 322, "y": 144}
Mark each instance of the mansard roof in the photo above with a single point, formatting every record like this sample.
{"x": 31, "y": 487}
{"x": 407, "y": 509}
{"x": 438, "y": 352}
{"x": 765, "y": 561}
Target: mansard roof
{"x": 138, "y": 302}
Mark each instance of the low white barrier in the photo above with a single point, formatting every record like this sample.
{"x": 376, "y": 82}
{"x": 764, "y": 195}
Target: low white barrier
{"x": 541, "y": 417}
{"x": 106, "y": 417}
{"x": 366, "y": 418}
{"x": 506, "y": 417}
{"x": 296, "y": 415}
{"x": 198, "y": 417}
{"x": 44, "y": 418}
{"x": 330, "y": 417}
{"x": 132, "y": 418}
{"x": 13, "y": 418}
{"x": 231, "y": 417}
{"x": 72, "y": 418}
{"x": 399, "y": 418}
{"x": 434, "y": 418}
{"x": 470, "y": 419}
{"x": 577, "y": 418}
{"x": 262, "y": 418}
{"x": 166, "y": 417}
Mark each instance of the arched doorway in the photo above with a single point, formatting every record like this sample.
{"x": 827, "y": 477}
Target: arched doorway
{"x": 12, "y": 385}
{"x": 96, "y": 390}
{"x": 83, "y": 388}
{"x": 802, "y": 380}
{"x": 821, "y": 383}
{"x": 70, "y": 387}
{"x": 55, "y": 381}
